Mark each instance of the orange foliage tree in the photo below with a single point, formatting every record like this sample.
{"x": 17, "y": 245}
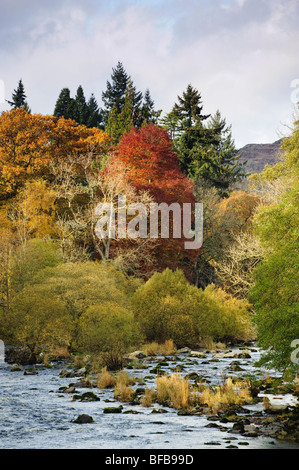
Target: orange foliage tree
{"x": 29, "y": 142}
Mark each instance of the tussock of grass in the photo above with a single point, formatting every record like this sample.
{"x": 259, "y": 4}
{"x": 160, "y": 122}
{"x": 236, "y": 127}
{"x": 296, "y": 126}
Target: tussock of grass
{"x": 123, "y": 390}
{"x": 173, "y": 391}
{"x": 148, "y": 398}
{"x": 207, "y": 342}
{"x": 105, "y": 379}
{"x": 153, "y": 349}
{"x": 230, "y": 393}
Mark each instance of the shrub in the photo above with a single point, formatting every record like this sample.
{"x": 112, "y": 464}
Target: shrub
{"x": 107, "y": 328}
{"x": 40, "y": 321}
{"x": 167, "y": 306}
{"x": 154, "y": 348}
{"x": 223, "y": 317}
{"x": 164, "y": 308}
{"x": 123, "y": 390}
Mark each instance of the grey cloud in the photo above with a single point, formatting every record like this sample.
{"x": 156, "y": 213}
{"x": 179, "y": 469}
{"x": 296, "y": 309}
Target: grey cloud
{"x": 241, "y": 55}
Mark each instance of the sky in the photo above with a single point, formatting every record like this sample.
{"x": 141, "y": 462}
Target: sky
{"x": 241, "y": 55}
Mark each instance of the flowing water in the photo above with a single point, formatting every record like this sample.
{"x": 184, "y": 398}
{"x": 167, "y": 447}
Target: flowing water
{"x": 35, "y": 414}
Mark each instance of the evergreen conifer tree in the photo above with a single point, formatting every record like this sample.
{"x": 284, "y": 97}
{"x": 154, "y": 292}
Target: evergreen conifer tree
{"x": 94, "y": 114}
{"x": 115, "y": 94}
{"x": 64, "y": 106}
{"x": 19, "y": 98}
{"x": 206, "y": 149}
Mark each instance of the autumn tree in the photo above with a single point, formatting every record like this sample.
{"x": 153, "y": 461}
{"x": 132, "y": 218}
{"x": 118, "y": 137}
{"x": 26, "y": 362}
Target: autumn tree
{"x": 29, "y": 142}
{"x": 99, "y": 183}
{"x": 32, "y": 211}
{"x": 152, "y": 165}
{"x": 226, "y": 222}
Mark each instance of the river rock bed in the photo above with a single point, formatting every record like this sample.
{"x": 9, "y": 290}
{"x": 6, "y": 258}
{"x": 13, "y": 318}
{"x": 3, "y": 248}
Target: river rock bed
{"x": 61, "y": 407}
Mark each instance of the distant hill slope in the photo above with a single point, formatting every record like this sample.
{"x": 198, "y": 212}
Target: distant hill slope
{"x": 259, "y": 155}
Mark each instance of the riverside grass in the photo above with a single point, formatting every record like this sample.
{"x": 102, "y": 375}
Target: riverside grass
{"x": 176, "y": 392}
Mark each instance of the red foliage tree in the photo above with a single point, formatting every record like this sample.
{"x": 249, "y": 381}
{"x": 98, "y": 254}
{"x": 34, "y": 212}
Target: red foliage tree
{"x": 152, "y": 165}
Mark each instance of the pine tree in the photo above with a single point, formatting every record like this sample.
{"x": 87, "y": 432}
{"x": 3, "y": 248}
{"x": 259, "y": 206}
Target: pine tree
{"x": 64, "y": 106}
{"x": 19, "y": 98}
{"x": 189, "y": 130}
{"x": 81, "y": 110}
{"x": 121, "y": 122}
{"x": 188, "y": 109}
{"x": 148, "y": 113}
{"x": 115, "y": 94}
{"x": 207, "y": 151}
{"x": 214, "y": 158}
{"x": 94, "y": 114}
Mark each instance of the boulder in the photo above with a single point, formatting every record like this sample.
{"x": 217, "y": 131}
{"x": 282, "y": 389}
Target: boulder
{"x": 80, "y": 372}
{"x": 83, "y": 419}
{"x": 232, "y": 355}
{"x": 136, "y": 355}
{"x": 16, "y": 368}
{"x": 197, "y": 354}
{"x": 183, "y": 350}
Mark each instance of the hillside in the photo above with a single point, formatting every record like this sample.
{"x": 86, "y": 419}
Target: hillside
{"x": 259, "y": 155}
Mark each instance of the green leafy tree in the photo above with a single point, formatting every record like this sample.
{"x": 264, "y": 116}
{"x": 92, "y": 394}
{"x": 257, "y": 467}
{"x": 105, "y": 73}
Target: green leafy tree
{"x": 275, "y": 292}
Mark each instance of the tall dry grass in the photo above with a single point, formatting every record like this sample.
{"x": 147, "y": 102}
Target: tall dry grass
{"x": 230, "y": 393}
{"x": 148, "y": 398}
{"x": 173, "y": 391}
{"x": 123, "y": 390}
{"x": 105, "y": 379}
{"x": 165, "y": 349}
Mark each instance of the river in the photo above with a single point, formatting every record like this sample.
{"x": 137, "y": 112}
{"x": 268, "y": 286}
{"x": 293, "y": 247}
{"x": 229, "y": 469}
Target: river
{"x": 35, "y": 414}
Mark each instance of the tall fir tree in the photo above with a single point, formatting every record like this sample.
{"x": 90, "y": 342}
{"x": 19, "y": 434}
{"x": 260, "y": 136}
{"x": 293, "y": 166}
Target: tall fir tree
{"x": 188, "y": 118}
{"x": 94, "y": 113}
{"x": 122, "y": 121}
{"x": 115, "y": 94}
{"x": 64, "y": 106}
{"x": 206, "y": 149}
{"x": 148, "y": 113}
{"x": 81, "y": 109}
{"x": 18, "y": 99}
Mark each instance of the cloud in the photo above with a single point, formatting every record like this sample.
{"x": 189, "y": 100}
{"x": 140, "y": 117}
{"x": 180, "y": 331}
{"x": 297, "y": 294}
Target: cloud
{"x": 240, "y": 54}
